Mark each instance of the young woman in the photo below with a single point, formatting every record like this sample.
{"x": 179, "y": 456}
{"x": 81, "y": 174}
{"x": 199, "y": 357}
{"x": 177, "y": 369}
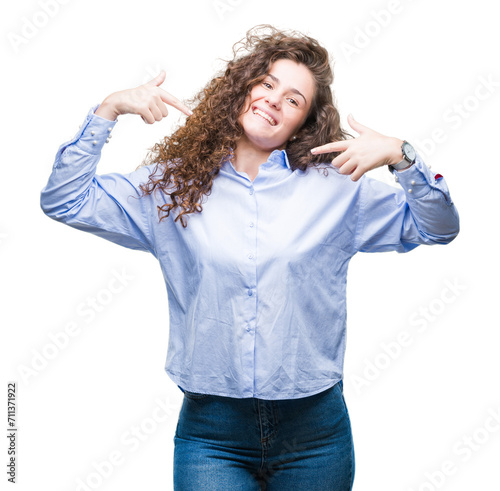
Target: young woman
{"x": 254, "y": 208}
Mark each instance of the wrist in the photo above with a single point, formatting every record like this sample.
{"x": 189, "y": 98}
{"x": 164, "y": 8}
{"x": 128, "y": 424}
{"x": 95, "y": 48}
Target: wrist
{"x": 106, "y": 111}
{"x": 396, "y": 154}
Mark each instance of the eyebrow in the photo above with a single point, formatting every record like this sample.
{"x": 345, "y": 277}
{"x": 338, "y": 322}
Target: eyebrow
{"x": 295, "y": 91}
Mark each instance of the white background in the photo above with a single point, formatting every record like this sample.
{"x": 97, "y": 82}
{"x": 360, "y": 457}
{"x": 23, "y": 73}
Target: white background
{"x": 406, "y": 73}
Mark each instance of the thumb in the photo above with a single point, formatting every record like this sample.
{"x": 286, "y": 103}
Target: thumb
{"x": 158, "y": 80}
{"x": 358, "y": 127}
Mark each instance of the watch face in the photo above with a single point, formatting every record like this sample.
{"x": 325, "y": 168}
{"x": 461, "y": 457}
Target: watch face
{"x": 409, "y": 151}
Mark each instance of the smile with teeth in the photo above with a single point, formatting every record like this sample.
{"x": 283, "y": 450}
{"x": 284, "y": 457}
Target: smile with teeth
{"x": 266, "y": 116}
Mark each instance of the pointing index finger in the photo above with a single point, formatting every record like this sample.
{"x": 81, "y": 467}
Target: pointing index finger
{"x": 173, "y": 101}
{"x": 331, "y": 147}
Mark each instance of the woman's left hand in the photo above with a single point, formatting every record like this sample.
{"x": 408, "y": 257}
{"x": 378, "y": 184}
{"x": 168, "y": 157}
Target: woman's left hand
{"x": 366, "y": 152}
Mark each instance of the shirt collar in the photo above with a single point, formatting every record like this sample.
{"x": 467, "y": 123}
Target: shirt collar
{"x": 278, "y": 159}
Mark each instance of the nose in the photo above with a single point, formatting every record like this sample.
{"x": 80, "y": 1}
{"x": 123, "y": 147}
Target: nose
{"x": 273, "y": 99}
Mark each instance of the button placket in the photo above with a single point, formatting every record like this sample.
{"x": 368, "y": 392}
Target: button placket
{"x": 251, "y": 258}
{"x": 249, "y": 292}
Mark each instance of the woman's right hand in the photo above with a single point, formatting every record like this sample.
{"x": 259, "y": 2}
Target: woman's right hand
{"x": 147, "y": 100}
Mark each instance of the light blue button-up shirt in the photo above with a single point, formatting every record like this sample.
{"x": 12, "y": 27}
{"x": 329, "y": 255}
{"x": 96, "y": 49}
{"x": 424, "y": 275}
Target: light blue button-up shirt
{"x": 257, "y": 281}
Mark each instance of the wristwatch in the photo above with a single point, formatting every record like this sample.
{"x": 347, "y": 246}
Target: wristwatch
{"x": 409, "y": 157}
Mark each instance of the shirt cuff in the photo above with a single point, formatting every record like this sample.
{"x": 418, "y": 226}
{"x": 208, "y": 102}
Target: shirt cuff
{"x": 417, "y": 180}
{"x": 94, "y": 132}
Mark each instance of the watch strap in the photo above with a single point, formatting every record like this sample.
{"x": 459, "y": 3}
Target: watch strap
{"x": 404, "y": 164}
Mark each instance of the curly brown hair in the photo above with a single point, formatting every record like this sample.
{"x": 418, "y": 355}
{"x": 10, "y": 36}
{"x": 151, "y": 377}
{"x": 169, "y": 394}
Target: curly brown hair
{"x": 196, "y": 151}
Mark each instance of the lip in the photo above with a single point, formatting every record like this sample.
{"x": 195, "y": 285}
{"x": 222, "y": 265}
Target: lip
{"x": 266, "y": 112}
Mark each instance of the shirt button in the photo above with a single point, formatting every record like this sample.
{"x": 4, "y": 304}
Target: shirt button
{"x": 251, "y": 191}
{"x": 250, "y": 293}
{"x": 410, "y": 190}
{"x": 94, "y": 142}
{"x": 413, "y": 183}
{"x": 250, "y": 256}
{"x": 251, "y": 224}
{"x": 92, "y": 133}
{"x": 248, "y": 329}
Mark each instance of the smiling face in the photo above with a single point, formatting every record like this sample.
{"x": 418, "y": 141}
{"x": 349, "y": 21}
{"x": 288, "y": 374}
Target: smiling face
{"x": 278, "y": 106}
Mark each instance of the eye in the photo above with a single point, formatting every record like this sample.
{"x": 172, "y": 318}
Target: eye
{"x": 293, "y": 101}
{"x": 267, "y": 84}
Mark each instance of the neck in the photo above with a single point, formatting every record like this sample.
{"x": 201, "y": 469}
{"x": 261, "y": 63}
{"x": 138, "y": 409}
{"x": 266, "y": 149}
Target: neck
{"x": 248, "y": 158}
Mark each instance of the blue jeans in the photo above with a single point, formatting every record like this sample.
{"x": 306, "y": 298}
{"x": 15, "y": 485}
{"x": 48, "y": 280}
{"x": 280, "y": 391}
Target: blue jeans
{"x": 224, "y": 443}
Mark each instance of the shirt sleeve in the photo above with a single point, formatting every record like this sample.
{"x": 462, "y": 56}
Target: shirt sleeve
{"x": 108, "y": 205}
{"x": 399, "y": 219}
